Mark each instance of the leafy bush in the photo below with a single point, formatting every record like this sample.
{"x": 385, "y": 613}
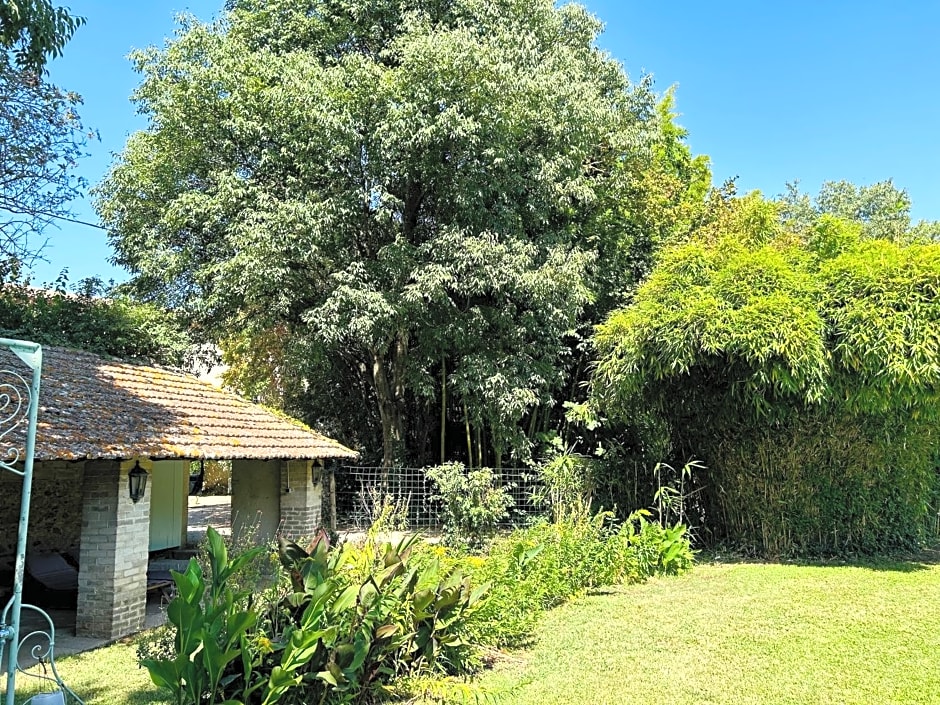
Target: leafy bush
{"x": 115, "y": 326}
{"x": 211, "y": 625}
{"x": 566, "y": 485}
{"x": 359, "y": 617}
{"x": 659, "y": 549}
{"x": 803, "y": 369}
{"x": 474, "y": 503}
{"x": 352, "y": 619}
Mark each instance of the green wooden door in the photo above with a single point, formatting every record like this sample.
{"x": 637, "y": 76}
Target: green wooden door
{"x": 168, "y": 503}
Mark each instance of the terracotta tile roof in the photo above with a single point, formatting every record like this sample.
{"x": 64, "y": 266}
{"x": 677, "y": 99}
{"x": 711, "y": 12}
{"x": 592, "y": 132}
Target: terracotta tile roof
{"x": 91, "y": 407}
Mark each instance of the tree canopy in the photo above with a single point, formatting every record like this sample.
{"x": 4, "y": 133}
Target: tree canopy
{"x": 403, "y": 206}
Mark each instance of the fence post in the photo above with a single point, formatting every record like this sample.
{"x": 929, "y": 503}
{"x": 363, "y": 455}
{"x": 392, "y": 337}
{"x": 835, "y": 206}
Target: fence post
{"x": 333, "y": 522}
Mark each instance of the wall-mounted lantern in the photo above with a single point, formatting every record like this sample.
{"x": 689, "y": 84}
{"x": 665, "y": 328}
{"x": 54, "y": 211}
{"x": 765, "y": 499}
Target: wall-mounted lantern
{"x": 316, "y": 472}
{"x": 137, "y": 482}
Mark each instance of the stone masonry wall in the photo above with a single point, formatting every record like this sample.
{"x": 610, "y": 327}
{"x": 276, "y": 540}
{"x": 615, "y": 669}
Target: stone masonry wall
{"x": 300, "y": 508}
{"x": 112, "y": 581}
{"x": 55, "y": 516}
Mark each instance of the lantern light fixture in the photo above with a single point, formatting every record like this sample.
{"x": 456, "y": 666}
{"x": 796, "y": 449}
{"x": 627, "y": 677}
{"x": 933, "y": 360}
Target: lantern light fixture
{"x": 137, "y": 482}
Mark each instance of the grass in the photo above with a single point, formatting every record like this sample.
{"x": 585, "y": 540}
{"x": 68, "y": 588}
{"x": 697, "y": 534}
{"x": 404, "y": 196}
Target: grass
{"x": 722, "y": 634}
{"x": 740, "y": 633}
{"x": 107, "y": 676}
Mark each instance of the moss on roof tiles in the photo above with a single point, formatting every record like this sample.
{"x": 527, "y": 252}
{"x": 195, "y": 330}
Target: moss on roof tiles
{"x": 91, "y": 407}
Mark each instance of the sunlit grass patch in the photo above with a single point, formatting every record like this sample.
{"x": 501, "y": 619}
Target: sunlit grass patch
{"x": 741, "y": 633}
{"x": 106, "y": 676}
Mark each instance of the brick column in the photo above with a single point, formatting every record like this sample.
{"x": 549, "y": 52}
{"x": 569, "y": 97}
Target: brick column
{"x": 300, "y": 508}
{"x": 112, "y": 579}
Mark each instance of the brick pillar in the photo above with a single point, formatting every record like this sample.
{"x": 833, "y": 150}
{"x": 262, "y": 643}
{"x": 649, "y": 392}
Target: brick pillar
{"x": 112, "y": 579}
{"x": 300, "y": 508}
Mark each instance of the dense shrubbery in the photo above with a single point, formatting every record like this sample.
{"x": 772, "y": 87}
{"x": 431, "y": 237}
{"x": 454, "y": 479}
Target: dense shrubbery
{"x": 107, "y": 326}
{"x": 350, "y": 620}
{"x": 343, "y": 623}
{"x": 803, "y": 368}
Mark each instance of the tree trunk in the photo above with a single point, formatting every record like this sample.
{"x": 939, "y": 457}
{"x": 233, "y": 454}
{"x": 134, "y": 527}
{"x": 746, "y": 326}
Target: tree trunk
{"x": 466, "y": 420}
{"x": 479, "y": 447}
{"x": 390, "y": 396}
{"x": 443, "y": 409}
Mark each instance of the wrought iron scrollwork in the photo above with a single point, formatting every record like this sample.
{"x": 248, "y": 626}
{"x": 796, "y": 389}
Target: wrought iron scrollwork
{"x": 15, "y": 401}
{"x": 19, "y": 406}
{"x": 35, "y": 655}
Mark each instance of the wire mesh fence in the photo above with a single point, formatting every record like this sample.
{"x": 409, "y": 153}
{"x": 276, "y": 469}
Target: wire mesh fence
{"x": 409, "y": 497}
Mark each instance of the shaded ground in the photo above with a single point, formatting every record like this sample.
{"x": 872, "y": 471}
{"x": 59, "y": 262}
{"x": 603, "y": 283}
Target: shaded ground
{"x": 213, "y": 511}
{"x": 203, "y": 512}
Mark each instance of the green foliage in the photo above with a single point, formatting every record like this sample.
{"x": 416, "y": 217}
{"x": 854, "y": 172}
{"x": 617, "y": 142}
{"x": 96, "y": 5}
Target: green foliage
{"x": 566, "y": 485}
{"x": 109, "y": 326}
{"x": 359, "y": 617}
{"x": 659, "y": 549}
{"x": 404, "y": 206}
{"x": 672, "y": 498}
{"x": 35, "y": 30}
{"x": 345, "y": 622}
{"x": 210, "y": 624}
{"x": 882, "y": 210}
{"x": 473, "y": 500}
{"x": 802, "y": 367}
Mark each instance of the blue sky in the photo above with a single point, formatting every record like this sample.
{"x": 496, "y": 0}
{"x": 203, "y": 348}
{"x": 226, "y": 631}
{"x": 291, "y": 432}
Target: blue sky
{"x": 772, "y": 92}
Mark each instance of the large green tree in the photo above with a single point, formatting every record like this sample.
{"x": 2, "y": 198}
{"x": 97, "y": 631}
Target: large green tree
{"x": 882, "y": 209}
{"x": 393, "y": 205}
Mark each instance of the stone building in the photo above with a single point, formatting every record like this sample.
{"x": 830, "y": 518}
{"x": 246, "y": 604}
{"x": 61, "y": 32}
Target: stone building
{"x": 99, "y": 419}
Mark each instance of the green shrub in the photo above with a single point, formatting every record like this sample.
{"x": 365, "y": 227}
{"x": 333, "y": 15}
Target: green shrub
{"x": 474, "y": 503}
{"x": 658, "y": 549}
{"x": 352, "y": 619}
{"x": 566, "y": 485}
{"x": 803, "y": 369}
{"x": 359, "y": 617}
{"x": 211, "y": 623}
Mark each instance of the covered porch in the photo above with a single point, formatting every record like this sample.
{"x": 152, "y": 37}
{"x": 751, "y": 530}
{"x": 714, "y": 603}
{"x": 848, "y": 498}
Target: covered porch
{"x": 102, "y": 420}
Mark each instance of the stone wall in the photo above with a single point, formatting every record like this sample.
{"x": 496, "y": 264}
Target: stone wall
{"x": 300, "y": 508}
{"x": 55, "y": 517}
{"x": 112, "y": 579}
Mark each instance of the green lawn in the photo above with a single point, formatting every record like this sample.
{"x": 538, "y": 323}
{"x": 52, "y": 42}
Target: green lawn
{"x": 741, "y": 633}
{"x": 107, "y": 676}
{"x": 725, "y": 633}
